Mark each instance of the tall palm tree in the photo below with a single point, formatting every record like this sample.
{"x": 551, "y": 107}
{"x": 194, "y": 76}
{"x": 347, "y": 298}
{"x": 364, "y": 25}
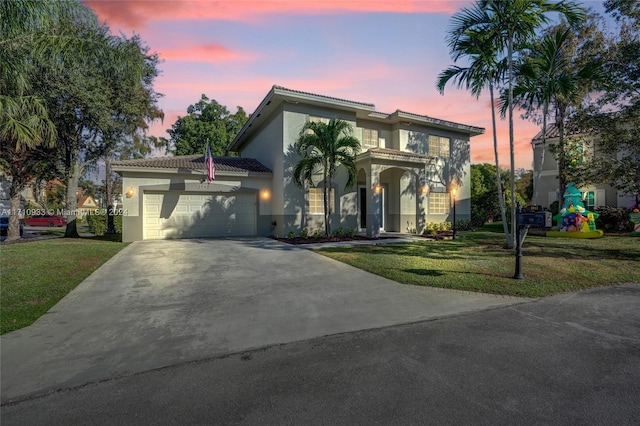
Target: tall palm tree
{"x": 514, "y": 22}
{"x": 540, "y": 79}
{"x": 485, "y": 69}
{"x": 549, "y": 77}
{"x": 323, "y": 148}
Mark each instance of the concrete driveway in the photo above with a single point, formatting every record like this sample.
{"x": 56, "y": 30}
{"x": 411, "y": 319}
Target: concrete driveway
{"x": 162, "y": 303}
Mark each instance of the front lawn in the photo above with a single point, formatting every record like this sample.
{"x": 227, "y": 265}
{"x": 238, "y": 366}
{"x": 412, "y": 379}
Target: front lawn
{"x": 35, "y": 275}
{"x": 476, "y": 261}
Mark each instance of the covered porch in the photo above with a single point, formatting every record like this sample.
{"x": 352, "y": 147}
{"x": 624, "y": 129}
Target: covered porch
{"x": 392, "y": 191}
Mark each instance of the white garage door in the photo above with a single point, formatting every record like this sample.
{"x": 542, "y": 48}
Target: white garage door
{"x": 177, "y": 215}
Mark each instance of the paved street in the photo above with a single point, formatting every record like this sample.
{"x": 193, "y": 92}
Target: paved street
{"x": 568, "y": 359}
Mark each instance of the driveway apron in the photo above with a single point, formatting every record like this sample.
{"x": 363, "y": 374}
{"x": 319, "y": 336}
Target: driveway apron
{"x": 161, "y": 303}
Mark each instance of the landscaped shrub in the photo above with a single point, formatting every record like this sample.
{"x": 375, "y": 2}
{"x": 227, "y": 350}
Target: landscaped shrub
{"x": 338, "y": 232}
{"x": 433, "y": 228}
{"x": 318, "y": 233}
{"x": 463, "y": 225}
{"x": 304, "y": 233}
{"x": 97, "y": 223}
{"x": 478, "y": 217}
{"x": 613, "y": 219}
{"x": 291, "y": 235}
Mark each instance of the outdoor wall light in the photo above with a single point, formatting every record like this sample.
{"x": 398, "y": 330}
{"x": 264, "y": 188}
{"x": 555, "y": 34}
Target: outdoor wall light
{"x": 377, "y": 188}
{"x": 130, "y": 192}
{"x": 424, "y": 190}
{"x": 265, "y": 194}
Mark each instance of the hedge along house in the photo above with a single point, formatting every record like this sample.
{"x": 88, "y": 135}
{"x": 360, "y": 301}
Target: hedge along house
{"x": 406, "y": 169}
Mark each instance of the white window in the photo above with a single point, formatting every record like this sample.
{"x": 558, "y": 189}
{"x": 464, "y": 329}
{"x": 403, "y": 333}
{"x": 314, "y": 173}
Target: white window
{"x": 316, "y": 203}
{"x": 439, "y": 146}
{"x": 589, "y": 200}
{"x": 314, "y": 119}
{"x": 369, "y": 137}
{"x": 439, "y": 203}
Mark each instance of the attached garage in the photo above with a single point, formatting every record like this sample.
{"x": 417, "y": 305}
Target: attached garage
{"x": 170, "y": 198}
{"x": 183, "y": 215}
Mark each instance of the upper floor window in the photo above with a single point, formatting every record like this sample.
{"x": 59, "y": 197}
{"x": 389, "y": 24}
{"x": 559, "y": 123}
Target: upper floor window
{"x": 439, "y": 146}
{"x": 369, "y": 137}
{"x": 314, "y": 119}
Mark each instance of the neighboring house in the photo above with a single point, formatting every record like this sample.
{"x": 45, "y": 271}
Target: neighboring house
{"x": 594, "y": 195}
{"x": 407, "y": 167}
{"x": 86, "y": 204}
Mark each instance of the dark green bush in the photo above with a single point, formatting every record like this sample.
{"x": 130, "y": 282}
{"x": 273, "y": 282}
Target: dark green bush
{"x": 97, "y": 223}
{"x": 478, "y": 217}
{"x": 613, "y": 219}
{"x": 463, "y": 225}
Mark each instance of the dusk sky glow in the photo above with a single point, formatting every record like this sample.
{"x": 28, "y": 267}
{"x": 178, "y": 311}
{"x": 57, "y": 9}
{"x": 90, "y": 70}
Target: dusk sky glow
{"x": 388, "y": 53}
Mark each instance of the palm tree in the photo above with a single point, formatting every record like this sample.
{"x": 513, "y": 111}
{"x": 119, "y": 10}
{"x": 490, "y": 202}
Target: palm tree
{"x": 485, "y": 69}
{"x": 514, "y": 23}
{"x": 540, "y": 79}
{"x": 548, "y": 76}
{"x": 324, "y": 147}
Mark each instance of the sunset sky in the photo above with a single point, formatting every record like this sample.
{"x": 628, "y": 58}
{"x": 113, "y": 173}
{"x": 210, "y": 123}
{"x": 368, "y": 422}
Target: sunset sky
{"x": 388, "y": 53}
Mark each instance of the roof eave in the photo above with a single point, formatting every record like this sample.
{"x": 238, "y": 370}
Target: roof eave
{"x": 185, "y": 171}
{"x": 278, "y": 95}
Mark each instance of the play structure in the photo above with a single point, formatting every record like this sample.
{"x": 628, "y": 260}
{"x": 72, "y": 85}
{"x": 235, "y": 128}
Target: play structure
{"x": 573, "y": 220}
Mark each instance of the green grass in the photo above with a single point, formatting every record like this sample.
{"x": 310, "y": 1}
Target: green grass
{"x": 35, "y": 275}
{"x": 477, "y": 261}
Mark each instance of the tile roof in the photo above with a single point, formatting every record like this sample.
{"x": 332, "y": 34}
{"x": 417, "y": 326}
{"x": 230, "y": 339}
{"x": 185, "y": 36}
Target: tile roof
{"x": 553, "y": 132}
{"x": 276, "y": 87}
{"x": 389, "y": 151}
{"x": 196, "y": 162}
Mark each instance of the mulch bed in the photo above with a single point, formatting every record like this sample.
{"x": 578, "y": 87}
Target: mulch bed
{"x": 314, "y": 240}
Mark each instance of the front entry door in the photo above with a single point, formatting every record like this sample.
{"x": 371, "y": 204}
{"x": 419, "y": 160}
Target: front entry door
{"x": 363, "y": 207}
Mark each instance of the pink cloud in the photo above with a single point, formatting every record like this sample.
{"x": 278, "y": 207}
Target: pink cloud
{"x": 211, "y": 52}
{"x": 135, "y": 14}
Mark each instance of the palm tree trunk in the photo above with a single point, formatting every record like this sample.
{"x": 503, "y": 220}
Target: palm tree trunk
{"x": 13, "y": 230}
{"x": 503, "y": 213}
{"x": 538, "y": 175}
{"x": 325, "y": 202}
{"x": 562, "y": 157}
{"x": 511, "y": 142}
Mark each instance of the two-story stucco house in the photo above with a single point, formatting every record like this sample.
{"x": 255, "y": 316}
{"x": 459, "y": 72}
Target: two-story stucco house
{"x": 406, "y": 169}
{"x": 594, "y": 194}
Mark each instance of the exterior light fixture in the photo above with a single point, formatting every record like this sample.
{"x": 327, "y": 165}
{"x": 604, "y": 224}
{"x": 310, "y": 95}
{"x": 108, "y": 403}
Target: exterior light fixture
{"x": 130, "y": 192}
{"x": 377, "y": 188}
{"x": 265, "y": 194}
{"x": 424, "y": 190}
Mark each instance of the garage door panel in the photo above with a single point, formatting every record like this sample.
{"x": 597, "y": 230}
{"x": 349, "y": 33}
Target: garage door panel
{"x": 199, "y": 215}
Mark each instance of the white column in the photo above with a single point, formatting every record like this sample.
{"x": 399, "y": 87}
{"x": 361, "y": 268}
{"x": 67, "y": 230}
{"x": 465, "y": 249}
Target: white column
{"x": 374, "y": 202}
